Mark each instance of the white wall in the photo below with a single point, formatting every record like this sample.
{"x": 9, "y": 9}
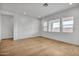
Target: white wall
{"x": 25, "y": 27}
{"x": 6, "y": 26}
{"x": 66, "y": 37}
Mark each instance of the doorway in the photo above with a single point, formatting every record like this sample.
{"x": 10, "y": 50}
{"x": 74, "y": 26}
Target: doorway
{"x": 7, "y": 26}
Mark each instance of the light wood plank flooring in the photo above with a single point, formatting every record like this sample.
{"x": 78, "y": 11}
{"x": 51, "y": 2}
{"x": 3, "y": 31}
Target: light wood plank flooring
{"x": 37, "y": 46}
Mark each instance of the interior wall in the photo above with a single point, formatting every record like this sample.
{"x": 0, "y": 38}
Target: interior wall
{"x": 66, "y": 37}
{"x": 25, "y": 27}
{"x": 19, "y": 27}
{"x": 0, "y": 27}
{"x": 6, "y": 26}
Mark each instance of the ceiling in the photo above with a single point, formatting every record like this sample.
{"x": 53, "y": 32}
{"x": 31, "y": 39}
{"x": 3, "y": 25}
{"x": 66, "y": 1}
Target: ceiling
{"x": 36, "y": 10}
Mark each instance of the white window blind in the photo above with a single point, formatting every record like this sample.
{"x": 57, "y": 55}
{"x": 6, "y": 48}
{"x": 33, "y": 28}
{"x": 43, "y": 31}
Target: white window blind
{"x": 67, "y": 24}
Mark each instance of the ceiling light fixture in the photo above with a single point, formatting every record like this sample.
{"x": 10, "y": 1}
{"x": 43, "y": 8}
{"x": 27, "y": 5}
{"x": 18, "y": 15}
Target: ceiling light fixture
{"x": 45, "y": 4}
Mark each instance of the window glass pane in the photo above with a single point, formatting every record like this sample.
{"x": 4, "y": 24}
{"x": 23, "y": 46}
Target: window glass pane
{"x": 56, "y": 25}
{"x": 49, "y": 26}
{"x": 44, "y": 26}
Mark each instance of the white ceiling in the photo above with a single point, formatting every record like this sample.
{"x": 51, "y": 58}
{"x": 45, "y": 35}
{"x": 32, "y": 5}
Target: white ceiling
{"x": 36, "y": 10}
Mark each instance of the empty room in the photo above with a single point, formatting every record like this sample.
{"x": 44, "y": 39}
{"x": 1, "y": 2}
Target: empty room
{"x": 39, "y": 29}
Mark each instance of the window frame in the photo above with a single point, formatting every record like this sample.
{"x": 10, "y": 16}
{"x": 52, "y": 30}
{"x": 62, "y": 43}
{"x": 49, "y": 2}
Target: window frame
{"x": 55, "y": 21}
{"x": 64, "y": 19}
{"x": 45, "y": 28}
{"x": 50, "y": 25}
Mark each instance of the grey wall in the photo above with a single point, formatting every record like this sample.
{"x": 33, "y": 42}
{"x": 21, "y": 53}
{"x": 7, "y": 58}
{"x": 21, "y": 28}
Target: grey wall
{"x": 25, "y": 27}
{"x": 6, "y": 26}
{"x": 18, "y": 26}
{"x": 66, "y": 37}
{"x": 0, "y": 27}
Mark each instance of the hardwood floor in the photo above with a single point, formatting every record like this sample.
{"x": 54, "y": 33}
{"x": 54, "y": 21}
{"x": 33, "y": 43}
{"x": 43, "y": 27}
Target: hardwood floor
{"x": 37, "y": 46}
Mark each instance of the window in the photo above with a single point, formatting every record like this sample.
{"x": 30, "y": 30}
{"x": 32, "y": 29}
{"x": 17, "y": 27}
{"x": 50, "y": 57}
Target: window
{"x": 67, "y": 24}
{"x": 45, "y": 26}
{"x": 50, "y": 26}
{"x": 56, "y": 25}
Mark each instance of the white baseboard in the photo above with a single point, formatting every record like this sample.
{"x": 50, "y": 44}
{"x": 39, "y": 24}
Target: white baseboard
{"x": 75, "y": 43}
{"x": 26, "y": 37}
